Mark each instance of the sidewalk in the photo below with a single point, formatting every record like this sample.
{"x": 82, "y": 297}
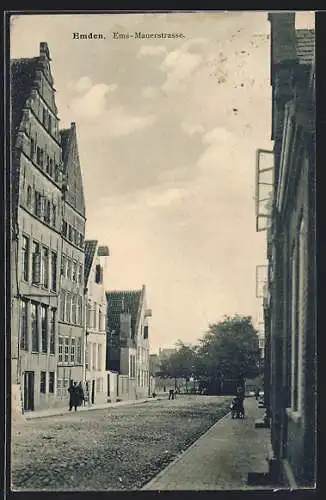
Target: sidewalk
{"x": 221, "y": 458}
{"x": 51, "y": 412}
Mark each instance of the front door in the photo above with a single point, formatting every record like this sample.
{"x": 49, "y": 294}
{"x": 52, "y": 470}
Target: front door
{"x": 93, "y": 391}
{"x": 29, "y": 391}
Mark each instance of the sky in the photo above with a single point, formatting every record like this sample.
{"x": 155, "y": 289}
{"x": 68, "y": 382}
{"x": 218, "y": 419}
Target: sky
{"x": 167, "y": 135}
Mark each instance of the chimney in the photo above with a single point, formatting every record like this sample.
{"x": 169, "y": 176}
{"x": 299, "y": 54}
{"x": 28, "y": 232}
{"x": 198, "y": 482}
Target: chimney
{"x": 44, "y": 51}
{"x": 283, "y": 37}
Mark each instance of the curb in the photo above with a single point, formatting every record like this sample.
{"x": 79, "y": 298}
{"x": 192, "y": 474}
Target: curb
{"x": 62, "y": 412}
{"x": 158, "y": 476}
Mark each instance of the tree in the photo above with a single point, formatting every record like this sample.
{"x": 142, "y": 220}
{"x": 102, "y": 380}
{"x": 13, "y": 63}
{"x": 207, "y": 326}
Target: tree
{"x": 229, "y": 350}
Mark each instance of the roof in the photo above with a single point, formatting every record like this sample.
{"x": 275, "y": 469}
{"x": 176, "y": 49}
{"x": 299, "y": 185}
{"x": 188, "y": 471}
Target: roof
{"x": 23, "y": 73}
{"x": 90, "y": 251}
{"x": 305, "y": 46}
{"x": 71, "y": 165}
{"x": 123, "y": 301}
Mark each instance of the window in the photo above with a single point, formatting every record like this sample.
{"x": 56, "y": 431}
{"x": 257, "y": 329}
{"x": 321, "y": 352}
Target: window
{"x": 79, "y": 310}
{"x": 32, "y": 150}
{"x": 23, "y": 325}
{"x": 78, "y": 351}
{"x": 146, "y": 332}
{"x": 36, "y": 264}
{"x": 74, "y": 271}
{"x": 62, "y": 305}
{"x": 45, "y": 267}
{"x": 73, "y": 351}
{"x": 25, "y": 257}
{"x": 64, "y": 228}
{"x": 44, "y": 328}
{"x": 63, "y": 265}
{"x": 52, "y": 330}
{"x": 95, "y": 316}
{"x": 60, "y": 350}
{"x": 98, "y": 274}
{"x": 76, "y": 237}
{"x": 51, "y": 382}
{"x": 43, "y": 383}
{"x": 99, "y": 357}
{"x": 29, "y": 197}
{"x": 53, "y": 271}
{"x": 74, "y": 309}
{"x": 70, "y": 235}
{"x": 68, "y": 308}
{"x": 80, "y": 273}
{"x": 34, "y": 327}
{"x": 66, "y": 350}
{"x": 47, "y": 215}
{"x": 69, "y": 269}
{"x": 56, "y": 173}
{"x": 39, "y": 201}
{"x": 99, "y": 318}
{"x": 49, "y": 124}
{"x": 54, "y": 215}
{"x": 44, "y": 116}
{"x": 47, "y": 164}
{"x": 38, "y": 155}
{"x": 59, "y": 387}
{"x": 94, "y": 356}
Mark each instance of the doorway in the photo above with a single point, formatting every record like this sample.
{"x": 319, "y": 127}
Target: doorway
{"x": 29, "y": 391}
{"x": 93, "y": 392}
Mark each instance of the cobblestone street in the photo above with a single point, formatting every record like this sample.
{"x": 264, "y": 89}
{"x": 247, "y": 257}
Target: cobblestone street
{"x": 111, "y": 449}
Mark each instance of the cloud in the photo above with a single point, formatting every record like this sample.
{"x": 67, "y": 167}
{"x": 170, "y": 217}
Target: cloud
{"x": 164, "y": 198}
{"x": 149, "y": 92}
{"x": 118, "y": 122}
{"x": 93, "y": 103}
{"x": 192, "y": 128}
{"x": 180, "y": 64}
{"x": 83, "y": 84}
{"x": 151, "y": 50}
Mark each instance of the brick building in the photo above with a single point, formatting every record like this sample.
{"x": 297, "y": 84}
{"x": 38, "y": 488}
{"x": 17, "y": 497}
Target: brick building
{"x": 71, "y": 330}
{"x": 36, "y": 180}
{"x": 290, "y": 304}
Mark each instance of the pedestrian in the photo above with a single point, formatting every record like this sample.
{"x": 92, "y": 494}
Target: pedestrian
{"x": 73, "y": 396}
{"x": 257, "y": 393}
{"x": 80, "y": 394}
{"x": 171, "y": 394}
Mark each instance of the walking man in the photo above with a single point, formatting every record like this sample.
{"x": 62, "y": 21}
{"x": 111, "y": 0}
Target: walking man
{"x": 73, "y": 396}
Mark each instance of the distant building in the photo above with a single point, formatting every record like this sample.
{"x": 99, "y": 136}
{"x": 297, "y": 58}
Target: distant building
{"x": 290, "y": 304}
{"x": 36, "y": 245}
{"x": 96, "y": 375}
{"x": 128, "y": 341}
{"x": 166, "y": 352}
{"x": 71, "y": 322}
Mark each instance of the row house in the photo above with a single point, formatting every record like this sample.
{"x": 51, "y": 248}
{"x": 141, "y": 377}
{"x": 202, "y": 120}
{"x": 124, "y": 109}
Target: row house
{"x": 96, "y": 374}
{"x": 71, "y": 331}
{"x": 290, "y": 302}
{"x": 37, "y": 204}
{"x": 128, "y": 342}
